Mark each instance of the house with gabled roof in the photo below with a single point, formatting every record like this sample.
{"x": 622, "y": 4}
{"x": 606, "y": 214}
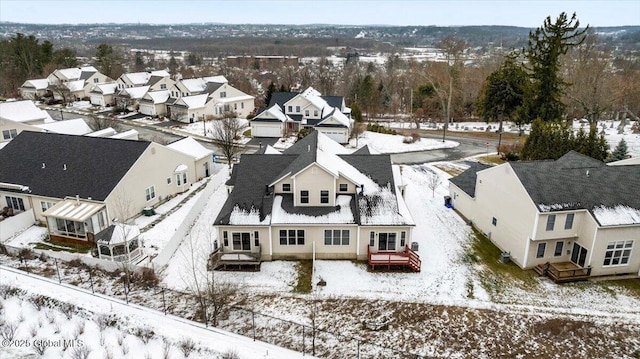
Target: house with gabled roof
{"x": 79, "y": 185}
{"x": 154, "y": 103}
{"x": 34, "y": 89}
{"x": 77, "y": 81}
{"x": 307, "y": 109}
{"x": 315, "y": 199}
{"x": 103, "y": 94}
{"x": 570, "y": 218}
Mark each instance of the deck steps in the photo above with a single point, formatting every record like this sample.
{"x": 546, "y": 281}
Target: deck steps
{"x": 541, "y": 269}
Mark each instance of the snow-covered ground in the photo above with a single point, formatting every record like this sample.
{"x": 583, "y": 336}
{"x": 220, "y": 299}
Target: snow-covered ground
{"x": 103, "y": 327}
{"x": 208, "y": 128}
{"x": 383, "y": 143}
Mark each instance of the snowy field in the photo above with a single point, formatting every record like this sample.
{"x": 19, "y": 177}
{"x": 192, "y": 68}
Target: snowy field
{"x": 383, "y": 143}
{"x": 200, "y": 128}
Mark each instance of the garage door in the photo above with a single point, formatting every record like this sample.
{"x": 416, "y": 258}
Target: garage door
{"x": 147, "y": 110}
{"x": 97, "y": 100}
{"x": 260, "y": 130}
{"x": 338, "y": 136}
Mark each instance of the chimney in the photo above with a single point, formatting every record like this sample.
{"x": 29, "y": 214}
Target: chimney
{"x": 43, "y": 165}
{"x": 308, "y": 148}
{"x": 77, "y": 200}
{"x": 64, "y": 167}
{"x": 587, "y": 173}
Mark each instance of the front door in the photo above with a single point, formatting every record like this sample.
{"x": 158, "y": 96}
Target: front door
{"x": 241, "y": 241}
{"x": 206, "y": 169}
{"x": 579, "y": 255}
{"x": 386, "y": 241}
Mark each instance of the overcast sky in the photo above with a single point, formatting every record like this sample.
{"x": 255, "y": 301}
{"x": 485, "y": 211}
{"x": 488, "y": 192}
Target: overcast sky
{"x": 378, "y": 12}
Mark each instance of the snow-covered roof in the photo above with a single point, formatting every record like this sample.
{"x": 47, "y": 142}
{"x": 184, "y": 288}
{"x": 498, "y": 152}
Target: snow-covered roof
{"x": 23, "y": 111}
{"x": 107, "y": 88}
{"x": 617, "y": 216}
{"x": 38, "y": 84}
{"x": 118, "y": 233}
{"x": 196, "y": 101}
{"x": 243, "y": 217}
{"x": 137, "y": 92}
{"x": 105, "y": 132}
{"x": 194, "y": 85}
{"x": 342, "y": 214}
{"x": 68, "y": 127}
{"x": 271, "y": 151}
{"x": 181, "y": 168}
{"x": 137, "y": 78}
{"x": 338, "y": 116}
{"x": 126, "y": 135}
{"x": 274, "y": 112}
{"x": 190, "y": 147}
{"x": 234, "y": 99}
{"x": 77, "y": 210}
{"x": 158, "y": 96}
{"x": 74, "y": 86}
{"x": 217, "y": 79}
{"x": 74, "y": 73}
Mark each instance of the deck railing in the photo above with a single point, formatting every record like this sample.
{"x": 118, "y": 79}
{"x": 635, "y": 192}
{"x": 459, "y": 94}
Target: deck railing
{"x": 407, "y": 258}
{"x": 570, "y": 274}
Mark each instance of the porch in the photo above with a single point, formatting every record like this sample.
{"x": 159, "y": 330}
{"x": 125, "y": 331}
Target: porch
{"x": 406, "y": 258}
{"x": 235, "y": 260}
{"x": 563, "y": 272}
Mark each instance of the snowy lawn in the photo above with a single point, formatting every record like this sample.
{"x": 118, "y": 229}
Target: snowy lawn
{"x": 383, "y": 143}
{"x": 143, "y": 221}
{"x": 200, "y": 128}
{"x": 29, "y": 237}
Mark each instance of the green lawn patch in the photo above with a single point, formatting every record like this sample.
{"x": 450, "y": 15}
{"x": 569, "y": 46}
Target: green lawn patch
{"x": 305, "y": 270}
{"x": 247, "y": 133}
{"x": 58, "y": 247}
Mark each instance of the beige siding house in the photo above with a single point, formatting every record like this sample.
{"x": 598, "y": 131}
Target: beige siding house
{"x": 315, "y": 200}
{"x": 574, "y": 216}
{"x": 79, "y": 184}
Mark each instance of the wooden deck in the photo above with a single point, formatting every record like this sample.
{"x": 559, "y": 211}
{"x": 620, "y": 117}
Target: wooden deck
{"x": 563, "y": 272}
{"x": 235, "y": 260}
{"x": 408, "y": 258}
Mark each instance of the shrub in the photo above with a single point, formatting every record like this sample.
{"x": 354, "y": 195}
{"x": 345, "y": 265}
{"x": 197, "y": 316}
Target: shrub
{"x": 26, "y": 254}
{"x": 187, "y": 345}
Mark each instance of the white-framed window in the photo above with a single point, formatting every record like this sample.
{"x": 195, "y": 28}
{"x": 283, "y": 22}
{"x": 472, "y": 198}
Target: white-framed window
{"x": 235, "y": 106}
{"x": 225, "y": 238}
{"x": 15, "y": 203}
{"x": 256, "y": 239}
{"x": 163, "y": 86}
{"x": 541, "y": 249}
{"x": 297, "y": 109}
{"x": 242, "y": 105}
{"x": 291, "y": 237}
{"x": 551, "y": 222}
{"x": 96, "y": 80}
{"x": 618, "y": 253}
{"x": 387, "y": 241}
{"x": 223, "y": 94}
{"x": 290, "y": 109}
{"x": 336, "y": 237}
{"x": 494, "y": 221}
{"x": 557, "y": 252}
{"x": 304, "y": 196}
{"x": 9, "y": 134}
{"x": 315, "y": 113}
{"x": 45, "y": 205}
{"x": 150, "y": 193}
{"x": 184, "y": 178}
{"x": 241, "y": 241}
{"x": 178, "y": 180}
{"x": 372, "y": 239}
{"x": 568, "y": 222}
{"x": 403, "y": 239}
{"x": 343, "y": 187}
{"x": 286, "y": 187}
{"x": 306, "y": 113}
{"x": 324, "y": 196}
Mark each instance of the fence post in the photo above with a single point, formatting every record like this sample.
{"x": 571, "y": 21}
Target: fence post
{"x": 303, "y": 349}
{"x": 358, "y": 349}
{"x": 164, "y": 303}
{"x": 126, "y": 296}
{"x": 91, "y": 280}
{"x": 57, "y": 270}
{"x": 253, "y": 324}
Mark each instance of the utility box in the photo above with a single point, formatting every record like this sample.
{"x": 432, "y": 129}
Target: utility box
{"x": 447, "y": 201}
{"x": 505, "y": 257}
{"x": 414, "y": 246}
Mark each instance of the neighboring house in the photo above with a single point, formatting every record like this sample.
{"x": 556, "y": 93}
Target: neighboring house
{"x": 133, "y": 87}
{"x": 154, "y": 103}
{"x": 307, "y": 109}
{"x": 79, "y": 184}
{"x": 76, "y": 126}
{"x": 221, "y": 98}
{"x": 314, "y": 200}
{"x": 34, "y": 89}
{"x": 18, "y": 116}
{"x": 271, "y": 122}
{"x": 203, "y": 157}
{"x": 129, "y": 98}
{"x": 103, "y": 94}
{"x": 572, "y": 217}
{"x": 154, "y": 79}
{"x": 626, "y": 162}
{"x": 77, "y": 82}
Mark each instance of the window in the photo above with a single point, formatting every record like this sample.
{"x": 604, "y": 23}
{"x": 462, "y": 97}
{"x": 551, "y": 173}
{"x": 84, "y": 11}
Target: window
{"x": 304, "y": 196}
{"x": 403, "y": 239}
{"x": 315, "y": 113}
{"x": 223, "y": 94}
{"x": 150, "y": 193}
{"x": 184, "y": 178}
{"x": 290, "y": 109}
{"x": 15, "y": 203}
{"x": 306, "y": 113}
{"x": 324, "y": 196}
{"x": 558, "y": 251}
{"x": 45, "y": 205}
{"x": 618, "y": 253}
{"x": 9, "y": 134}
{"x": 225, "y": 238}
{"x": 178, "y": 180}
{"x": 541, "y": 248}
{"x": 286, "y": 187}
{"x": 336, "y": 237}
{"x": 568, "y": 222}
{"x": 291, "y": 237}
{"x": 95, "y": 81}
{"x": 256, "y": 239}
{"x": 551, "y": 222}
{"x": 235, "y": 106}
{"x": 168, "y": 180}
{"x": 372, "y": 239}
{"x": 386, "y": 241}
{"x": 494, "y": 221}
{"x": 163, "y": 86}
{"x": 241, "y": 241}
{"x": 344, "y": 187}
{"x": 298, "y": 109}
{"x": 242, "y": 105}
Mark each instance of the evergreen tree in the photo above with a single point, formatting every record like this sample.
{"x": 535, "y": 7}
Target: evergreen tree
{"x": 173, "y": 66}
{"x": 545, "y": 48}
{"x": 108, "y": 60}
{"x": 356, "y": 113}
{"x": 270, "y": 90}
{"x": 620, "y": 152}
{"x": 65, "y": 58}
{"x": 139, "y": 62}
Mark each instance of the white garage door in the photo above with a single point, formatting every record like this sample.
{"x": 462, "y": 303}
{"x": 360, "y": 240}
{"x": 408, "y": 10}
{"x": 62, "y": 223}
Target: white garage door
{"x": 268, "y": 130}
{"x": 97, "y": 100}
{"x": 147, "y": 110}
{"x": 338, "y": 136}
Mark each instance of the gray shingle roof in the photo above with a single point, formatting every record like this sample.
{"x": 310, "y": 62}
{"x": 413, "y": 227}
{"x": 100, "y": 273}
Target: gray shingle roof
{"x": 94, "y": 165}
{"x": 466, "y": 181}
{"x": 281, "y": 98}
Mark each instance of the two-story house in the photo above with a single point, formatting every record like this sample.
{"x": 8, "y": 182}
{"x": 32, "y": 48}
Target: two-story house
{"x": 74, "y": 83}
{"x": 314, "y": 199}
{"x": 132, "y": 89}
{"x": 18, "y": 116}
{"x": 34, "y": 89}
{"x": 572, "y": 217}
{"x": 307, "y": 109}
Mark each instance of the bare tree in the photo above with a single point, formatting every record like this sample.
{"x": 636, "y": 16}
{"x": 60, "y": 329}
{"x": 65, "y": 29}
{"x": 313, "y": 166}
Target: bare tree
{"x": 62, "y": 92}
{"x": 227, "y": 130}
{"x": 433, "y": 182}
{"x": 358, "y": 130}
{"x": 98, "y": 123}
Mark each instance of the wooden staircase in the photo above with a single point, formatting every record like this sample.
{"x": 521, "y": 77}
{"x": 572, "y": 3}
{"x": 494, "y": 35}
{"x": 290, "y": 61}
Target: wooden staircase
{"x": 414, "y": 260}
{"x": 541, "y": 269}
